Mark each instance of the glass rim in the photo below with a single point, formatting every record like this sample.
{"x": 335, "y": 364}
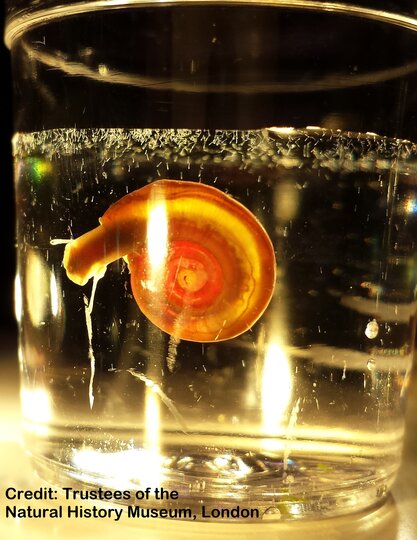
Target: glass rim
{"x": 28, "y": 13}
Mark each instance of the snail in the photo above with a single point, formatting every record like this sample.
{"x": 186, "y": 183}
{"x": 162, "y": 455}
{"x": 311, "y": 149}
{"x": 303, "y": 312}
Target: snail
{"x": 202, "y": 266}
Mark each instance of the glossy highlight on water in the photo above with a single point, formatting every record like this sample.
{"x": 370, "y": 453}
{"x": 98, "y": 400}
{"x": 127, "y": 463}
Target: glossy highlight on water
{"x": 202, "y": 266}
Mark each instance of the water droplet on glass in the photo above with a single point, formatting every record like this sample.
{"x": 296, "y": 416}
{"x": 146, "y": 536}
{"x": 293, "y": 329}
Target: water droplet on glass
{"x": 289, "y": 479}
{"x": 372, "y": 329}
{"x": 272, "y": 513}
{"x": 370, "y": 364}
{"x": 313, "y": 292}
{"x": 382, "y": 491}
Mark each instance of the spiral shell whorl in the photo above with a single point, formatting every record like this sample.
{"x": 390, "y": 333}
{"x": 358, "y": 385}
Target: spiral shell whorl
{"x": 215, "y": 269}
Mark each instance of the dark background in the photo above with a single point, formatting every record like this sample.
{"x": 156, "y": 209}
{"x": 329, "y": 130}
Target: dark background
{"x": 7, "y": 258}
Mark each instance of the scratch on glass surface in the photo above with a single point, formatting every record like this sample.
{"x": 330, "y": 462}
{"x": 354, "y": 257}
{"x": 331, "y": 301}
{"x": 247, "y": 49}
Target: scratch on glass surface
{"x": 58, "y": 241}
{"x": 290, "y": 433}
{"x": 161, "y": 394}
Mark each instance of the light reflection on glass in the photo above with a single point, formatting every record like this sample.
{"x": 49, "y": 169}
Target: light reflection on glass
{"x": 36, "y": 409}
{"x": 229, "y": 465}
{"x": 157, "y": 242}
{"x": 276, "y": 388}
{"x": 37, "y": 288}
{"x": 53, "y": 287}
{"x": 17, "y": 298}
{"x": 151, "y": 473}
{"x": 129, "y": 468}
{"x": 410, "y": 205}
{"x": 282, "y": 130}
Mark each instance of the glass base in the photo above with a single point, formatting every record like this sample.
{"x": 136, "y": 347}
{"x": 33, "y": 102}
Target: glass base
{"x": 219, "y": 485}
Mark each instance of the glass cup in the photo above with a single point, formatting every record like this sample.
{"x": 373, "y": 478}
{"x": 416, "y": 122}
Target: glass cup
{"x": 217, "y": 223}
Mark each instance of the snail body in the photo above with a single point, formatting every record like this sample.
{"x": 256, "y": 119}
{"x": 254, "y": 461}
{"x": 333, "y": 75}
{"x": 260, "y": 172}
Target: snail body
{"x": 202, "y": 266}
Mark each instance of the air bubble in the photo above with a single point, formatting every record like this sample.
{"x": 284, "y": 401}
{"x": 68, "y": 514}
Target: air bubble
{"x": 372, "y": 329}
{"x": 272, "y": 513}
{"x": 370, "y": 364}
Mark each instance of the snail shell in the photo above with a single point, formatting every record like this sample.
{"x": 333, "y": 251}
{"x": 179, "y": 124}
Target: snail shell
{"x": 202, "y": 266}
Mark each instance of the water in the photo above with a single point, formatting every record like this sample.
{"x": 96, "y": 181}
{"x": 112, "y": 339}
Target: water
{"x": 299, "y": 415}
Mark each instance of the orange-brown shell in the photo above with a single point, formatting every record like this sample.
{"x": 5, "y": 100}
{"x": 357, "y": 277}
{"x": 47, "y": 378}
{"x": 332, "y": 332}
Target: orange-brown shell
{"x": 202, "y": 266}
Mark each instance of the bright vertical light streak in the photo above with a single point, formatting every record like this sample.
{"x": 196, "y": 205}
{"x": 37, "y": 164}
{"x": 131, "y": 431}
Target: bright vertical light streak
{"x": 36, "y": 288}
{"x": 151, "y": 473}
{"x": 36, "y": 409}
{"x": 54, "y": 295}
{"x": 276, "y": 388}
{"x": 17, "y": 298}
{"x": 157, "y": 250}
{"x": 157, "y": 240}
